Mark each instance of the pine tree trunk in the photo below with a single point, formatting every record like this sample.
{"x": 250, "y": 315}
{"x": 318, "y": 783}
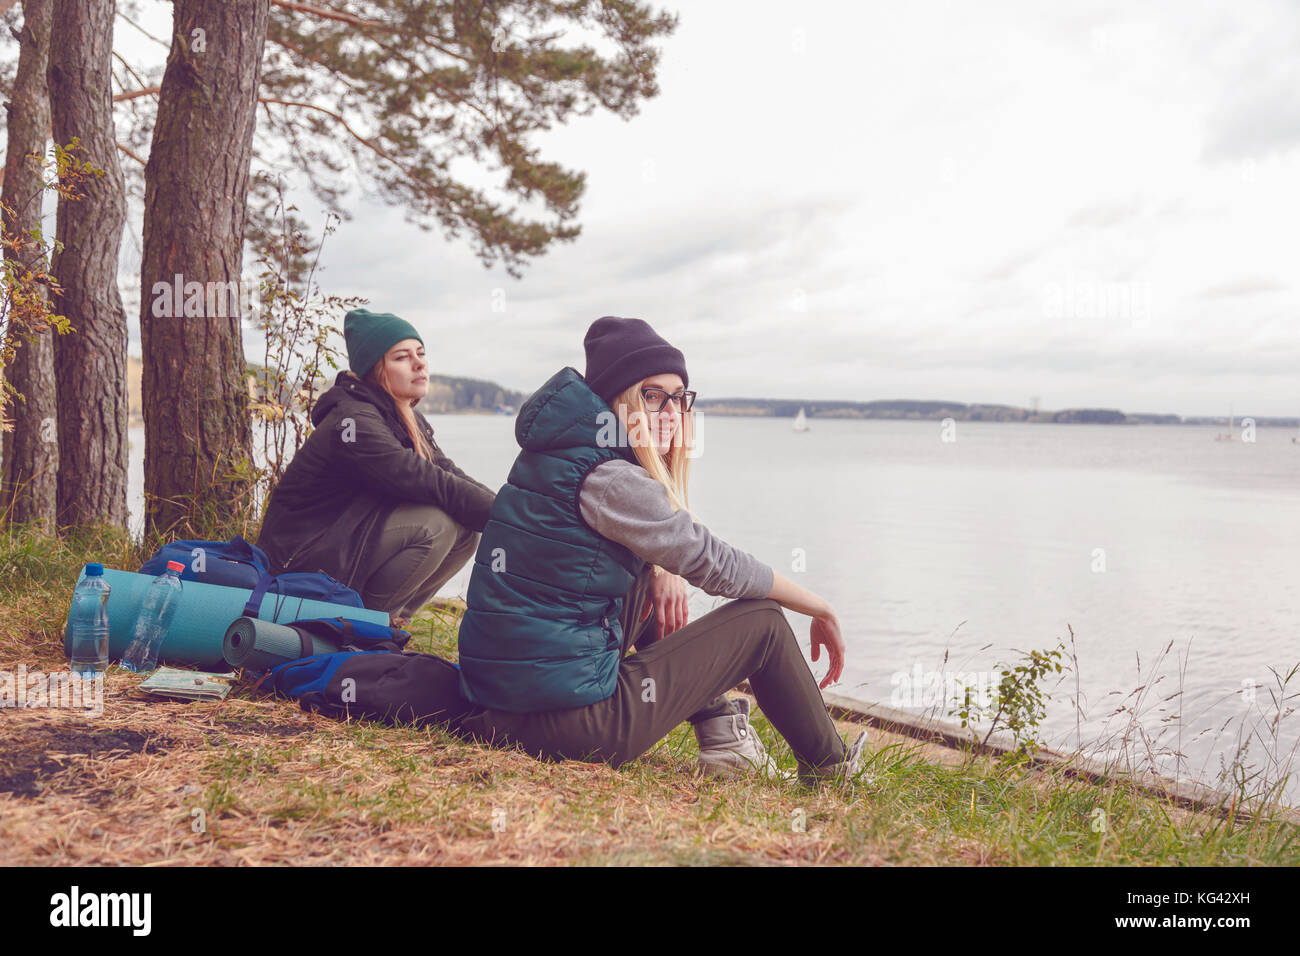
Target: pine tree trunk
{"x": 89, "y": 362}
{"x": 29, "y": 475}
{"x": 196, "y": 193}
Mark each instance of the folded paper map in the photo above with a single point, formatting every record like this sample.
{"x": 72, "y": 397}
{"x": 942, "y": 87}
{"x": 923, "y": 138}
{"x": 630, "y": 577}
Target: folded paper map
{"x": 187, "y": 685}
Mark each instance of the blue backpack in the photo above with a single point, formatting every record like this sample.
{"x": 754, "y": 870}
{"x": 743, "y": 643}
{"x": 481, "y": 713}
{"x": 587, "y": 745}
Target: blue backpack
{"x": 372, "y": 677}
{"x": 238, "y": 564}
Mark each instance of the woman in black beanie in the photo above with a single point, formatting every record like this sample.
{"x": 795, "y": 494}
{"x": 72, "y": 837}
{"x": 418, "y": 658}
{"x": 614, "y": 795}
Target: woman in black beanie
{"x": 585, "y": 542}
{"x": 370, "y": 498}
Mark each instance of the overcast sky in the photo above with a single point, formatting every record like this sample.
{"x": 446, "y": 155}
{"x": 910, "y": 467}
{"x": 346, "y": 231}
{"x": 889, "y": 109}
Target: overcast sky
{"x": 1093, "y": 203}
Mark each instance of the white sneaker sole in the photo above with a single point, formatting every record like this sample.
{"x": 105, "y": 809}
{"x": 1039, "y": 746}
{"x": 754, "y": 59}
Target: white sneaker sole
{"x": 735, "y": 766}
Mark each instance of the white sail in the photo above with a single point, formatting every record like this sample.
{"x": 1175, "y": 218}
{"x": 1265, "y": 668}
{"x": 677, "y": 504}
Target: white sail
{"x": 1232, "y": 414}
{"x": 801, "y": 422}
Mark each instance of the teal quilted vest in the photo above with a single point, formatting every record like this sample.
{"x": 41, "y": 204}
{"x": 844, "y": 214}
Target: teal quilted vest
{"x": 541, "y": 630}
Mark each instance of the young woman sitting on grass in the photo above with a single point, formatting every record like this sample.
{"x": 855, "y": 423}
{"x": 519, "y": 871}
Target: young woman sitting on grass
{"x": 370, "y": 498}
{"x": 592, "y": 519}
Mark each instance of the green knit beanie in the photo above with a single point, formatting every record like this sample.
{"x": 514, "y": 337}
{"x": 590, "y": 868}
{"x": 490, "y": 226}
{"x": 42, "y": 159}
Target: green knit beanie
{"x": 369, "y": 335}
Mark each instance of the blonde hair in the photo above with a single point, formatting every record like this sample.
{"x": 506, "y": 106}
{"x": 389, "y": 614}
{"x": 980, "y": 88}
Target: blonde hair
{"x": 674, "y": 473}
{"x": 378, "y": 377}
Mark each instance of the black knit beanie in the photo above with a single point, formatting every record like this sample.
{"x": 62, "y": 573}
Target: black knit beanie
{"x": 621, "y": 352}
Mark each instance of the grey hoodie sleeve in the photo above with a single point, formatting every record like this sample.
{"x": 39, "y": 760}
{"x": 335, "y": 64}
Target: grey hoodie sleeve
{"x": 620, "y": 501}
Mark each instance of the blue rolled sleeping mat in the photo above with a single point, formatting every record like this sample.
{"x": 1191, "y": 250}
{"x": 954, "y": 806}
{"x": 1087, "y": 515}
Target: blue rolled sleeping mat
{"x": 205, "y": 613}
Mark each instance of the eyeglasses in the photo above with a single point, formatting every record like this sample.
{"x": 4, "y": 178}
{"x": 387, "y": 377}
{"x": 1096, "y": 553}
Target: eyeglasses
{"x": 657, "y": 398}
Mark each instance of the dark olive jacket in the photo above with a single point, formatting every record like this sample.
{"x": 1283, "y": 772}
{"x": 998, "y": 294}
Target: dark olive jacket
{"x": 354, "y": 468}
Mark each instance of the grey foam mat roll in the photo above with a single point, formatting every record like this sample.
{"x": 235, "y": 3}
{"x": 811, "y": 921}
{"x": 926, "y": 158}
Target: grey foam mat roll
{"x": 260, "y": 645}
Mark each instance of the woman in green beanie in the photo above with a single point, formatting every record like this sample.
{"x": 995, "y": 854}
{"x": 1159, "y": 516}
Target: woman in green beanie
{"x": 370, "y": 498}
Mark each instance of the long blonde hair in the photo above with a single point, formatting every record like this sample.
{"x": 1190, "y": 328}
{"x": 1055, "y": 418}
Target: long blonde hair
{"x": 673, "y": 474}
{"x": 378, "y": 377}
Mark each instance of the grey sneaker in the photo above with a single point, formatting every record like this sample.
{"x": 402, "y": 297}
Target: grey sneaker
{"x": 847, "y": 769}
{"x": 729, "y": 745}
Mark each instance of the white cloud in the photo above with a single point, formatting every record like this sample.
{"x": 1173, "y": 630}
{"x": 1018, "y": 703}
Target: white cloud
{"x": 835, "y": 201}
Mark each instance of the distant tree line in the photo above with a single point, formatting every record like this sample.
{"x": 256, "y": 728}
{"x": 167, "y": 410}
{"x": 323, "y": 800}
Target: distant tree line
{"x": 938, "y": 410}
{"x": 448, "y": 393}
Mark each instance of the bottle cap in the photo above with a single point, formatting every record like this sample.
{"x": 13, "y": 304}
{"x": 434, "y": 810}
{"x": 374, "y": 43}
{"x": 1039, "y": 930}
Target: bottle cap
{"x": 175, "y": 566}
{"x": 94, "y": 570}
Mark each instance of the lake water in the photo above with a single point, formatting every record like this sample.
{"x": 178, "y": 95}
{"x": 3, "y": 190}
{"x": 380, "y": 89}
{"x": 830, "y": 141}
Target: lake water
{"x": 1134, "y": 536}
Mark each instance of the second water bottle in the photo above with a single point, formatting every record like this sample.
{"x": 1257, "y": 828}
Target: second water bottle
{"x": 156, "y": 613}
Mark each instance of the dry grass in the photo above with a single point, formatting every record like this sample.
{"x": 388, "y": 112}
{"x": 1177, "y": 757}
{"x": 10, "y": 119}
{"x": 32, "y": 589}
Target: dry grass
{"x": 259, "y": 781}
{"x": 247, "y": 781}
{"x": 263, "y": 782}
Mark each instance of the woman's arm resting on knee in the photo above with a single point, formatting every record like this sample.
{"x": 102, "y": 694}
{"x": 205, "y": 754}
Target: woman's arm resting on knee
{"x": 825, "y": 625}
{"x": 383, "y": 464}
{"x": 790, "y": 595}
{"x": 622, "y": 502}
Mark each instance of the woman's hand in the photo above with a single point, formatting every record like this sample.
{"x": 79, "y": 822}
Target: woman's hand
{"x": 668, "y": 601}
{"x": 825, "y": 625}
{"x": 826, "y": 633}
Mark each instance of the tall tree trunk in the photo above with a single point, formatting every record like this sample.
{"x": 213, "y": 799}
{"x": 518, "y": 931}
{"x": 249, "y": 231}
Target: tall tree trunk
{"x": 196, "y": 205}
{"x": 89, "y": 362}
{"x": 30, "y": 468}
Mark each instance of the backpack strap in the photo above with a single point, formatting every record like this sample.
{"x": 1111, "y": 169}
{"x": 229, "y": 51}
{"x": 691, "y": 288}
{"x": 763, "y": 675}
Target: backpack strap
{"x": 266, "y": 582}
{"x": 362, "y": 635}
{"x": 305, "y": 644}
{"x": 254, "y": 604}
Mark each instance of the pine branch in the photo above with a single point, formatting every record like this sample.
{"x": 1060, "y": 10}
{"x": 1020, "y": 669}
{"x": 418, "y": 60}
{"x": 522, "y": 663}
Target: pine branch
{"x": 327, "y": 14}
{"x": 342, "y": 122}
{"x": 129, "y": 152}
{"x": 134, "y": 94}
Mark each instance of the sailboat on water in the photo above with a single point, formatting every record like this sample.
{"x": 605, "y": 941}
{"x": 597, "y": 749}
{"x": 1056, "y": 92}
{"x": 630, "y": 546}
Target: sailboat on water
{"x": 801, "y": 422}
{"x": 1229, "y": 436}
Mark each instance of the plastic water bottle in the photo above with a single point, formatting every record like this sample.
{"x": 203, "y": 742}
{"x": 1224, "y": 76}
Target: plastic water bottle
{"x": 155, "y": 617}
{"x": 88, "y": 623}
